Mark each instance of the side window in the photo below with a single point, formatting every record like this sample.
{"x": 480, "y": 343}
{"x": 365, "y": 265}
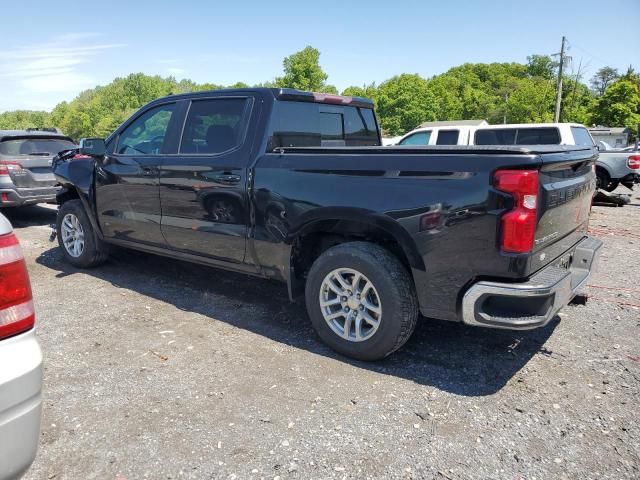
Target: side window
{"x": 448, "y": 137}
{"x": 215, "y": 125}
{"x": 581, "y": 136}
{"x": 501, "y": 136}
{"x": 419, "y": 138}
{"x": 145, "y": 135}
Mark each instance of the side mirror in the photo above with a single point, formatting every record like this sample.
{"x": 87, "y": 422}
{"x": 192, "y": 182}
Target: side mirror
{"x": 94, "y": 147}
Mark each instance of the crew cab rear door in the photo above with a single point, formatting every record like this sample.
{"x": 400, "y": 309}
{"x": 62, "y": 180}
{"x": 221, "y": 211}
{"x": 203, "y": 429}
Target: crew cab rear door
{"x": 203, "y": 188}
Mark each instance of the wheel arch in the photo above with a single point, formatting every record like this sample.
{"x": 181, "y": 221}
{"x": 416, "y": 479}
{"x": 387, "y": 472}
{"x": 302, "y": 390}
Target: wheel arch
{"x": 604, "y": 167}
{"x": 71, "y": 192}
{"x": 332, "y": 227}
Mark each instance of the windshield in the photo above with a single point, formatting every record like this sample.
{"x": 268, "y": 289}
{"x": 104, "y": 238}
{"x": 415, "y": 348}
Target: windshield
{"x": 35, "y": 146}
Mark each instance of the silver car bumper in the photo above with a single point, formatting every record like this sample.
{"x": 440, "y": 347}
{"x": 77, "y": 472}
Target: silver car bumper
{"x": 20, "y": 403}
{"x": 16, "y": 197}
{"x": 534, "y": 303}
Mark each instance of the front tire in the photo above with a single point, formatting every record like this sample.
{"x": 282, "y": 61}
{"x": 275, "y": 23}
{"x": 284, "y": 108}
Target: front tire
{"x": 76, "y": 237}
{"x": 361, "y": 300}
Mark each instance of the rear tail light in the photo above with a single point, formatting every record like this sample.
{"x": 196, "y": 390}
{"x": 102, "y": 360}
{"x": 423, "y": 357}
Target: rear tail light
{"x": 634, "y": 162}
{"x": 7, "y": 167}
{"x": 16, "y": 302}
{"x": 519, "y": 224}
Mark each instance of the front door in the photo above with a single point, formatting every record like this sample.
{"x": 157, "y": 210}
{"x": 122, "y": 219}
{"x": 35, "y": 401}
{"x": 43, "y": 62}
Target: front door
{"x": 203, "y": 189}
{"x": 127, "y": 178}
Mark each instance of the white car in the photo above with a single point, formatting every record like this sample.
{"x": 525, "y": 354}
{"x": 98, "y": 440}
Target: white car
{"x": 20, "y": 361}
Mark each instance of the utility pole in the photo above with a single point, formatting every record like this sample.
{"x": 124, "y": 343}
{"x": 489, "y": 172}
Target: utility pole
{"x": 559, "y": 95}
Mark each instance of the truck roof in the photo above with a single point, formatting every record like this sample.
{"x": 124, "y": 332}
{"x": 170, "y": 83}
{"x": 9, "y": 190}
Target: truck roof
{"x": 280, "y": 94}
{"x": 529, "y": 125}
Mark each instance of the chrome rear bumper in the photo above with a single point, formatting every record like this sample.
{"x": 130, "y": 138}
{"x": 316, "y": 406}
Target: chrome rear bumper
{"x": 534, "y": 303}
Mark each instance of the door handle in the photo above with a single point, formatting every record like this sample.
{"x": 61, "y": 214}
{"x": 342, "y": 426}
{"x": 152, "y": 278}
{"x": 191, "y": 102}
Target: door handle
{"x": 227, "y": 179}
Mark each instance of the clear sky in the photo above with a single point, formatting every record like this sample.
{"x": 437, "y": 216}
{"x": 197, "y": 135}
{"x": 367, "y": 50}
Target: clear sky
{"x": 52, "y": 50}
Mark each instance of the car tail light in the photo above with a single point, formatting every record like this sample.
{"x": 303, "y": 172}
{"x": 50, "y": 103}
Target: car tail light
{"x": 7, "y": 167}
{"x": 16, "y": 302}
{"x": 519, "y": 224}
{"x": 634, "y": 162}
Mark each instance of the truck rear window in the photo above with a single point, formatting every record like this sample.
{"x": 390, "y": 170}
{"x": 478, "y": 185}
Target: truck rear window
{"x": 518, "y": 136}
{"x": 306, "y": 124}
{"x": 35, "y": 146}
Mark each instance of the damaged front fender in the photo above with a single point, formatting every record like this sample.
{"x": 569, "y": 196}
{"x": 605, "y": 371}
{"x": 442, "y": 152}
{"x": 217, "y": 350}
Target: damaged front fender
{"x": 74, "y": 171}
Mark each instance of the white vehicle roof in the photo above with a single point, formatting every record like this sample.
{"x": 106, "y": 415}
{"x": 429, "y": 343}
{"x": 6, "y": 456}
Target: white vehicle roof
{"x": 529, "y": 125}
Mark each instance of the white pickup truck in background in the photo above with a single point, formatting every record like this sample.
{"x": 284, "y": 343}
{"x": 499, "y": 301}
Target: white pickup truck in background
{"x": 614, "y": 167}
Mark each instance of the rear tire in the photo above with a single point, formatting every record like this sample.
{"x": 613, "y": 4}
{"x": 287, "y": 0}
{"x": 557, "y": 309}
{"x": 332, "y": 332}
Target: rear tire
{"x": 76, "y": 237}
{"x": 376, "y": 291}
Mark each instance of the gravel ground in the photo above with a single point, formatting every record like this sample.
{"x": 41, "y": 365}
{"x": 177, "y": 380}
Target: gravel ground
{"x": 160, "y": 369}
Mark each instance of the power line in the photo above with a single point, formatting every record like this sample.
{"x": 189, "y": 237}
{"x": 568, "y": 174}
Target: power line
{"x": 593, "y": 57}
{"x": 598, "y": 60}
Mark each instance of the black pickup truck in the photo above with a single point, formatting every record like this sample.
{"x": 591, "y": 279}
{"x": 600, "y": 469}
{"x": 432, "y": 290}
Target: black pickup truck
{"x": 296, "y": 186}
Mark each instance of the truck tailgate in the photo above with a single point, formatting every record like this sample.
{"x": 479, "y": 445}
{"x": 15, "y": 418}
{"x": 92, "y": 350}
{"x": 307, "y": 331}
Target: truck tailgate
{"x": 567, "y": 184}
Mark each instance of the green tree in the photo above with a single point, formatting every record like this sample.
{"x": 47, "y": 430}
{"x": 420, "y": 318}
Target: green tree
{"x": 619, "y": 106}
{"x": 530, "y": 100}
{"x": 20, "y": 119}
{"x": 302, "y": 70}
{"x": 403, "y": 102}
{"x": 367, "y": 91}
{"x": 478, "y": 91}
{"x": 577, "y": 101}
{"x": 603, "y": 78}
{"x": 541, "y": 66}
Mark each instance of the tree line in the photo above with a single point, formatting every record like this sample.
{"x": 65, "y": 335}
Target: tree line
{"x": 497, "y": 92}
